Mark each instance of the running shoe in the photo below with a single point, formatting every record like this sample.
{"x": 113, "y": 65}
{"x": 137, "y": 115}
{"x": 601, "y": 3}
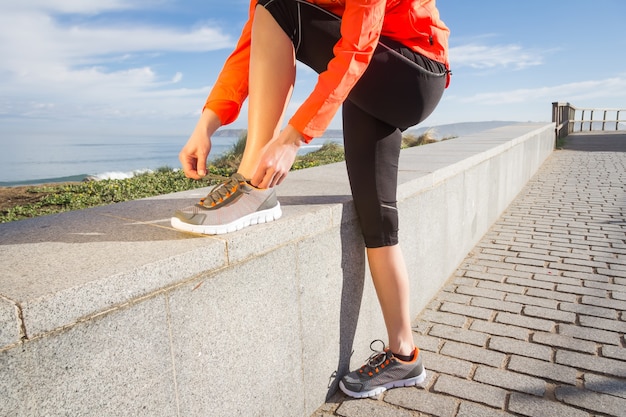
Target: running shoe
{"x": 381, "y": 372}
{"x": 230, "y": 206}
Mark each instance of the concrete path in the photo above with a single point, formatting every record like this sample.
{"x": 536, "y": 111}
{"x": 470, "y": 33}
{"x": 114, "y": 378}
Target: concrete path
{"x": 533, "y": 322}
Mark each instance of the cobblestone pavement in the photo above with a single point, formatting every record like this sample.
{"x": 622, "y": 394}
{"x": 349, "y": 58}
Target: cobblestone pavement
{"x": 533, "y": 322}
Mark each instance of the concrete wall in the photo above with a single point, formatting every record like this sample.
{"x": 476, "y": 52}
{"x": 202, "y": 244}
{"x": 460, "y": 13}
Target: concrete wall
{"x": 109, "y": 312}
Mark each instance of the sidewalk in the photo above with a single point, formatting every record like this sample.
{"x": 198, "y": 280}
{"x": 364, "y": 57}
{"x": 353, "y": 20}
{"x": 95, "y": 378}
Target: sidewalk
{"x": 533, "y": 322}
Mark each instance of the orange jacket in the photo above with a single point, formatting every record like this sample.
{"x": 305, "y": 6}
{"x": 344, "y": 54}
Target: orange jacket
{"x": 415, "y": 23}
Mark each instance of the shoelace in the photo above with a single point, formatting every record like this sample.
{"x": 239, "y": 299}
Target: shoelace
{"x": 221, "y": 192}
{"x": 377, "y": 360}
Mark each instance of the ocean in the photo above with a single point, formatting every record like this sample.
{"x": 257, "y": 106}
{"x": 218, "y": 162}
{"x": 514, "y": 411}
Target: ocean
{"x": 38, "y": 158}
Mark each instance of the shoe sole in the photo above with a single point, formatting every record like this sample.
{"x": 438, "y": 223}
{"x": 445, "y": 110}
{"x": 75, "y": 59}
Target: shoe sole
{"x": 258, "y": 217}
{"x": 382, "y": 388}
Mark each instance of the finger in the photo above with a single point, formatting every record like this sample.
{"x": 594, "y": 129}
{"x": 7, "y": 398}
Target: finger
{"x": 188, "y": 164}
{"x": 266, "y": 182}
{"x": 192, "y": 174}
{"x": 201, "y": 165}
{"x": 280, "y": 179}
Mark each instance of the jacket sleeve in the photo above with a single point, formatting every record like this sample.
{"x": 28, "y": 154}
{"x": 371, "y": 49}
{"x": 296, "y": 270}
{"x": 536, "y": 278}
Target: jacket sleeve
{"x": 361, "y": 26}
{"x": 231, "y": 88}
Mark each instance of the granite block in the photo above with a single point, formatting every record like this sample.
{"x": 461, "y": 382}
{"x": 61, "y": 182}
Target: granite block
{"x": 237, "y": 339}
{"x": 116, "y": 365}
{"x": 10, "y": 323}
{"x": 330, "y": 296}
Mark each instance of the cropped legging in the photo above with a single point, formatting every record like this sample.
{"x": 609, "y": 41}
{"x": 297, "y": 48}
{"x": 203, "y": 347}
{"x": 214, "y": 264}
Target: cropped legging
{"x": 399, "y": 89}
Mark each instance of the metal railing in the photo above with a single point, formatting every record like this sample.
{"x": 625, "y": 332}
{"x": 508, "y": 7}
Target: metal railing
{"x": 564, "y": 115}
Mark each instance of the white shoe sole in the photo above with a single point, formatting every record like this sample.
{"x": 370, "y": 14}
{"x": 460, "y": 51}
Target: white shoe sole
{"x": 382, "y": 388}
{"x": 258, "y": 217}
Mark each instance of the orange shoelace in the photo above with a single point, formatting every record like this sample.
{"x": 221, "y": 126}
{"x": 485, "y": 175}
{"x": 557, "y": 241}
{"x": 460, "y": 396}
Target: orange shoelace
{"x": 223, "y": 191}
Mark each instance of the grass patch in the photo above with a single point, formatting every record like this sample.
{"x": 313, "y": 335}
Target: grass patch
{"x": 329, "y": 153}
{"x": 560, "y": 142}
{"x": 75, "y": 196}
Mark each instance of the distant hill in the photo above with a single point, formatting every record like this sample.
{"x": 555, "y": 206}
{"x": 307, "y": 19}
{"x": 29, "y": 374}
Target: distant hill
{"x": 441, "y": 131}
{"x": 229, "y": 133}
{"x": 460, "y": 129}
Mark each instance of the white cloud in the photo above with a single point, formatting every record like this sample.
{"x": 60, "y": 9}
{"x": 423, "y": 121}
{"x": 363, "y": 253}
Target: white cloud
{"x": 30, "y": 39}
{"x": 54, "y": 69}
{"x": 492, "y": 56}
{"x": 69, "y": 6}
{"x": 572, "y": 92}
{"x": 177, "y": 77}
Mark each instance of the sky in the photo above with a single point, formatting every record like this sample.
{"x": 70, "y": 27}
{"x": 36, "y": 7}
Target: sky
{"x": 146, "y": 66}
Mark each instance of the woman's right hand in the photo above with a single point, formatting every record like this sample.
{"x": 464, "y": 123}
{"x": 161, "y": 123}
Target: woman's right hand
{"x": 194, "y": 154}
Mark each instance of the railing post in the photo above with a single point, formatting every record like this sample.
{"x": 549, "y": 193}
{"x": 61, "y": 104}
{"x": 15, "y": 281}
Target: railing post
{"x": 555, "y": 113}
{"x": 557, "y": 122}
{"x": 582, "y": 120}
{"x": 557, "y": 119}
{"x": 562, "y": 116}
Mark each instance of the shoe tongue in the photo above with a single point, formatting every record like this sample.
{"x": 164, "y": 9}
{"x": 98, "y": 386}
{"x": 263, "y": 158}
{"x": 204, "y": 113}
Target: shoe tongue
{"x": 380, "y": 358}
{"x": 237, "y": 176}
{"x": 222, "y": 190}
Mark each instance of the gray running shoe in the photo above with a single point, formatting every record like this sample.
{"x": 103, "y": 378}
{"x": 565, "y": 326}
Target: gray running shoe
{"x": 230, "y": 206}
{"x": 383, "y": 371}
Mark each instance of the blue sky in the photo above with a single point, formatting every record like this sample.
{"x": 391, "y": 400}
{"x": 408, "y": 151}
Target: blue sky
{"x": 146, "y": 66}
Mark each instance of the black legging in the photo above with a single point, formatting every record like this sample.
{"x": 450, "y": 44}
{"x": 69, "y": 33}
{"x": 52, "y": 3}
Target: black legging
{"x": 399, "y": 89}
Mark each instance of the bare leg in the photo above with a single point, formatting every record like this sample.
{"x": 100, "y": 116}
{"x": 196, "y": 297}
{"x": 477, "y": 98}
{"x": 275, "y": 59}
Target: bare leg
{"x": 391, "y": 281}
{"x": 272, "y": 77}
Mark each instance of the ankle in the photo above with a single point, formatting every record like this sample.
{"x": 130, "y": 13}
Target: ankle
{"x": 406, "y": 358}
{"x": 402, "y": 346}
{"x": 244, "y": 173}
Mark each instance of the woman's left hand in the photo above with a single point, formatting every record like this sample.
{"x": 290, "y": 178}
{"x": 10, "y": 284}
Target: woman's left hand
{"x": 277, "y": 159}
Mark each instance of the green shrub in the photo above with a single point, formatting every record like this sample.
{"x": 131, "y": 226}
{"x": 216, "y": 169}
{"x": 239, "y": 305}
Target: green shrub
{"x": 329, "y": 153}
{"x": 229, "y": 161}
{"x": 409, "y": 141}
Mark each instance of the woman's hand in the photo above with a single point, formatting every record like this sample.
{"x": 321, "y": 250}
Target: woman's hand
{"x": 277, "y": 159}
{"x": 194, "y": 154}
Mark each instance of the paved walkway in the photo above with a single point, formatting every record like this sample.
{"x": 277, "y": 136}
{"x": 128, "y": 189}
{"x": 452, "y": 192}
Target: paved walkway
{"x": 533, "y": 322}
